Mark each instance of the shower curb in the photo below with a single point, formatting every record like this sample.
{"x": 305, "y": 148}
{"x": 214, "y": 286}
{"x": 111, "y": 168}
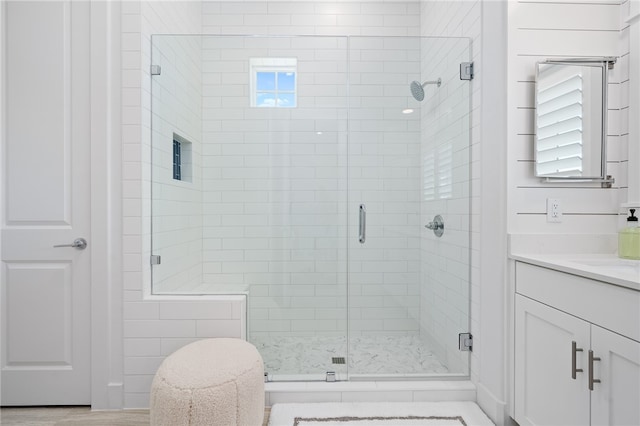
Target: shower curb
{"x": 370, "y": 391}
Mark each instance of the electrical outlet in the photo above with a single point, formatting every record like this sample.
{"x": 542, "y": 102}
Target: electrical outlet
{"x": 554, "y": 211}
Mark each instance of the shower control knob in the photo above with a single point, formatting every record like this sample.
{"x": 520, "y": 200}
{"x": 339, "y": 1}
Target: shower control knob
{"x": 437, "y": 226}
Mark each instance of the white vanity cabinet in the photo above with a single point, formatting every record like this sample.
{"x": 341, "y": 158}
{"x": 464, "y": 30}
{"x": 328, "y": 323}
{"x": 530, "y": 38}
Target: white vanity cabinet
{"x": 616, "y": 399}
{"x": 569, "y": 329}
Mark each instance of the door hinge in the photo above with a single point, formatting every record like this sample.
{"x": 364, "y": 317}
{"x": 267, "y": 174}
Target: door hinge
{"x": 156, "y": 69}
{"x": 465, "y": 342}
{"x": 466, "y": 71}
{"x": 155, "y": 259}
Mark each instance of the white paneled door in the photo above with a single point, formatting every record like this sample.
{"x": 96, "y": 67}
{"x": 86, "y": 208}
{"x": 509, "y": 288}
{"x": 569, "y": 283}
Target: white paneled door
{"x": 46, "y": 291}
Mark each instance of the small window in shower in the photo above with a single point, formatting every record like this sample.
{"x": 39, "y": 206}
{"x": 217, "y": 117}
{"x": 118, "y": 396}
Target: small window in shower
{"x": 181, "y": 159}
{"x": 273, "y": 82}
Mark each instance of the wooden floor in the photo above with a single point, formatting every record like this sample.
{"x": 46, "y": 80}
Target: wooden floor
{"x": 77, "y": 416}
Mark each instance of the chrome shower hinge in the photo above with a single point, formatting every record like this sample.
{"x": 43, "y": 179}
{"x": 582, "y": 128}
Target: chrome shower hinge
{"x": 466, "y": 71}
{"x": 155, "y": 259}
{"x": 156, "y": 69}
{"x": 465, "y": 342}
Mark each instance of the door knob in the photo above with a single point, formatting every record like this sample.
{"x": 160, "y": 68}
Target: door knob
{"x": 79, "y": 243}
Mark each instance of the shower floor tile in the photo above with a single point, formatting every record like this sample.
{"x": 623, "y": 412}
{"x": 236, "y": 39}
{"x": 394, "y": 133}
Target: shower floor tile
{"x": 370, "y": 354}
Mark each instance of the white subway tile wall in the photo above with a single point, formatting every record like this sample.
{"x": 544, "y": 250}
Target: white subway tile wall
{"x": 154, "y": 329}
{"x": 176, "y": 204}
{"x": 384, "y": 175}
{"x": 451, "y": 132}
{"x": 274, "y": 184}
{"x": 446, "y": 156}
{"x": 389, "y": 164}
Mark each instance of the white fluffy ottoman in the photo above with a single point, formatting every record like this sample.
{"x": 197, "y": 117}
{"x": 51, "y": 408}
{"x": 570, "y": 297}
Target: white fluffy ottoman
{"x": 209, "y": 382}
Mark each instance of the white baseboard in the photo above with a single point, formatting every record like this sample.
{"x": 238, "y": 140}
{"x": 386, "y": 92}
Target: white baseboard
{"x": 115, "y": 396}
{"x": 493, "y": 407}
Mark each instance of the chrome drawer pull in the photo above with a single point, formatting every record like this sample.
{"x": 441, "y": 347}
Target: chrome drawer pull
{"x": 591, "y": 379}
{"x": 574, "y": 352}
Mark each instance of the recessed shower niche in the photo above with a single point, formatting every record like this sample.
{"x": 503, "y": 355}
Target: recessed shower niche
{"x": 182, "y": 167}
{"x": 282, "y": 163}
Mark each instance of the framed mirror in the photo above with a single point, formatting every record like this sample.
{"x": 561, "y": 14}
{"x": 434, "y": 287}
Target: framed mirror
{"x": 571, "y": 118}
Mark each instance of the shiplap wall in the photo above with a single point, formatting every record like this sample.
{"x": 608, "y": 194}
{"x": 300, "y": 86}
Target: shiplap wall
{"x": 543, "y": 29}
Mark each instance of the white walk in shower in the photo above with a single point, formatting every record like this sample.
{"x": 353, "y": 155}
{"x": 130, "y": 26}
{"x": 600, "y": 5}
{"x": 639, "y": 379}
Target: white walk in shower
{"x": 305, "y": 173}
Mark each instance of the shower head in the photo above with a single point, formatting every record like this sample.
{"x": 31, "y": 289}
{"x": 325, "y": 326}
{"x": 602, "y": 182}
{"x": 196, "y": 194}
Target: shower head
{"x": 417, "y": 89}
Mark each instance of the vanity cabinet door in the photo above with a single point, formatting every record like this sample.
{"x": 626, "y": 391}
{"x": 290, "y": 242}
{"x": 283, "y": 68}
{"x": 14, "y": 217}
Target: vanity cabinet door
{"x": 545, "y": 392}
{"x": 616, "y": 399}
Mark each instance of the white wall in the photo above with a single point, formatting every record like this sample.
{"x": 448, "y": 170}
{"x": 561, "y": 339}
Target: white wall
{"x": 143, "y": 354}
{"x": 177, "y": 204}
{"x": 541, "y": 30}
{"x": 446, "y": 189}
{"x": 631, "y": 15}
{"x": 448, "y": 262}
{"x": 384, "y": 175}
{"x": 153, "y": 328}
{"x": 275, "y": 185}
{"x": 285, "y": 240}
{"x": 310, "y": 18}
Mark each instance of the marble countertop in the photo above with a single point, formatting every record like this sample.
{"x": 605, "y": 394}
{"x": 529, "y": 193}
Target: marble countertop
{"x": 602, "y": 267}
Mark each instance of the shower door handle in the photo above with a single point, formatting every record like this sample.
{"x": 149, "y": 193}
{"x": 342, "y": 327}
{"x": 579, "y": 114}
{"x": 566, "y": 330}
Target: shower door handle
{"x": 363, "y": 224}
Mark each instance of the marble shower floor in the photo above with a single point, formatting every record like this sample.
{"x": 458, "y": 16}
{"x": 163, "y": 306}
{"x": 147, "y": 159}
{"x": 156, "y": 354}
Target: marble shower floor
{"x": 370, "y": 355}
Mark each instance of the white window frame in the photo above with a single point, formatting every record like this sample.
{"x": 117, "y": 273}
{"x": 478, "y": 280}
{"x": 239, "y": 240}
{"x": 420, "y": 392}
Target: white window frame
{"x": 275, "y": 65}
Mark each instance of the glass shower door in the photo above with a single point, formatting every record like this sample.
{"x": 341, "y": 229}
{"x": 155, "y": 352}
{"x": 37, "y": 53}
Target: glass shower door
{"x": 408, "y": 161}
{"x": 249, "y": 188}
{"x": 297, "y": 296}
{"x": 301, "y": 171}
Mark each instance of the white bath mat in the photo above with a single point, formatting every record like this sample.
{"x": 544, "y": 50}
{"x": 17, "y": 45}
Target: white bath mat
{"x": 459, "y": 413}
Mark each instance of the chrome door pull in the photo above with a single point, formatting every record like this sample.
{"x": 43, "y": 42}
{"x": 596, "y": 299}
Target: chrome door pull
{"x": 591, "y": 379}
{"x": 79, "y": 243}
{"x": 574, "y": 352}
{"x": 363, "y": 224}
